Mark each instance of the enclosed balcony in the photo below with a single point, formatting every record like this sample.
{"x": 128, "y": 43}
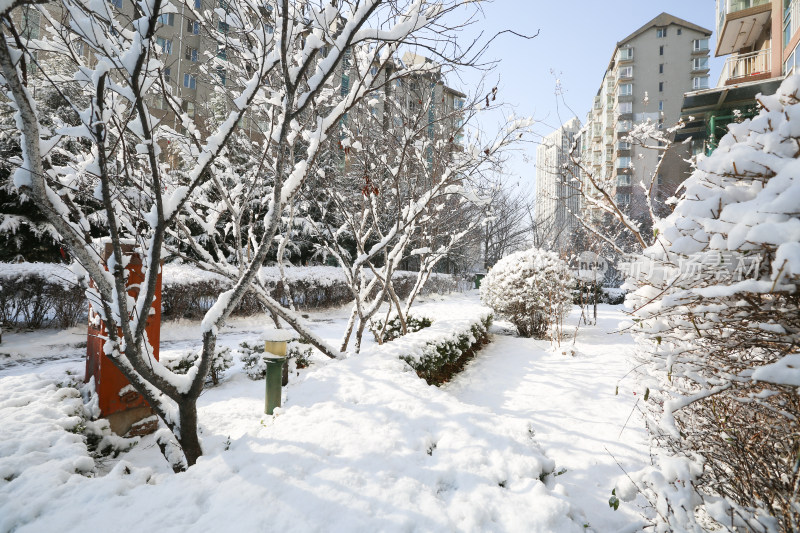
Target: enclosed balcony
{"x": 746, "y": 67}
{"x": 741, "y": 23}
{"x": 791, "y": 21}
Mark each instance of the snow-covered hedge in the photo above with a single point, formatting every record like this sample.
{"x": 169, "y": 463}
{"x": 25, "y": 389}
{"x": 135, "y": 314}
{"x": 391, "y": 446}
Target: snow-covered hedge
{"x": 393, "y": 328}
{"x": 441, "y": 350}
{"x": 46, "y": 295}
{"x": 532, "y": 288}
{"x": 718, "y": 316}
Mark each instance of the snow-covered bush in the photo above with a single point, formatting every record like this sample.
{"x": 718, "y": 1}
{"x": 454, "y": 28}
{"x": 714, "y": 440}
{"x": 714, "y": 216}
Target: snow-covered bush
{"x": 444, "y": 357}
{"x": 253, "y": 357}
{"x": 531, "y": 288}
{"x": 392, "y": 328}
{"x": 717, "y": 311}
{"x": 221, "y": 362}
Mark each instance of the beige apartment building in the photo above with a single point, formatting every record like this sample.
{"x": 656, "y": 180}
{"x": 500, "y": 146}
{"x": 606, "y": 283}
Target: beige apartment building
{"x": 649, "y": 72}
{"x": 557, "y": 183}
{"x": 760, "y": 40}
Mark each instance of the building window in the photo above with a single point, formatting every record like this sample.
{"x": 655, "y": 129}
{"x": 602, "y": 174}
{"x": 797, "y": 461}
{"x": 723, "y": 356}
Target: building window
{"x": 700, "y": 82}
{"x": 167, "y": 74}
{"x": 30, "y": 20}
{"x": 224, "y": 5}
{"x": 626, "y": 72}
{"x": 624, "y": 180}
{"x": 373, "y": 71}
{"x": 625, "y": 54}
{"x": 192, "y": 27}
{"x": 790, "y": 65}
{"x": 660, "y": 179}
{"x": 700, "y": 63}
{"x": 222, "y": 53}
{"x": 624, "y": 162}
{"x": 221, "y": 75}
{"x": 191, "y": 54}
{"x": 680, "y": 31}
{"x": 661, "y": 86}
{"x": 623, "y": 198}
{"x": 625, "y": 108}
{"x": 661, "y": 68}
{"x": 198, "y": 4}
{"x": 700, "y": 45}
{"x": 116, "y": 3}
{"x": 189, "y": 81}
{"x": 661, "y": 50}
{"x": 223, "y": 27}
{"x": 661, "y": 32}
{"x": 188, "y": 108}
{"x": 661, "y": 105}
{"x": 626, "y": 89}
{"x": 269, "y": 29}
{"x": 165, "y": 44}
{"x": 167, "y": 19}
{"x": 661, "y": 123}
{"x": 623, "y": 145}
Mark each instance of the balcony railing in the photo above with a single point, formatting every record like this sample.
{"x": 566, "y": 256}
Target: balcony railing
{"x": 744, "y": 66}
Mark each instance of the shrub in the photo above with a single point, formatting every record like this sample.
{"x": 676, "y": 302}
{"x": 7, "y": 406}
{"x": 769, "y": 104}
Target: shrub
{"x": 182, "y": 363}
{"x": 254, "y": 357}
{"x": 394, "y": 327}
{"x": 443, "y": 358}
{"x": 531, "y": 288}
{"x": 718, "y": 320}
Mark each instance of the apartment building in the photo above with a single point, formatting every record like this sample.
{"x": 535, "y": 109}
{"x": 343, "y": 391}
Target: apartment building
{"x": 557, "y": 182}
{"x": 649, "y": 72}
{"x": 760, "y": 40}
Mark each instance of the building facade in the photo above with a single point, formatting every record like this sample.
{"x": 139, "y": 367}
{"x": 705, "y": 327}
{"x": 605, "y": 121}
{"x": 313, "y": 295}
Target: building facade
{"x": 649, "y": 72}
{"x": 759, "y": 39}
{"x": 557, "y": 182}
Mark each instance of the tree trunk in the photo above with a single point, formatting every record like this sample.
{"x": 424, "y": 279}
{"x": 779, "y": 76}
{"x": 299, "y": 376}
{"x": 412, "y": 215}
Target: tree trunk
{"x": 187, "y": 433}
{"x": 350, "y": 323}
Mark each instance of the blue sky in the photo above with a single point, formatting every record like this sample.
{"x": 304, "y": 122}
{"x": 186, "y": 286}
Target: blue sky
{"x": 575, "y": 43}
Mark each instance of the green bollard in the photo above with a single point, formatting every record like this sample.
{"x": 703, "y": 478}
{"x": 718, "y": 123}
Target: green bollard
{"x": 274, "y": 377}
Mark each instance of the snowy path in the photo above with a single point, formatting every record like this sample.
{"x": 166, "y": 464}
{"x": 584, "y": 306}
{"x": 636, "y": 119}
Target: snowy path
{"x": 571, "y": 403}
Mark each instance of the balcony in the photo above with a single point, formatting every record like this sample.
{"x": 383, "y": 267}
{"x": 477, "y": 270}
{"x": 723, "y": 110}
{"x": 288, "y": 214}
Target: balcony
{"x": 791, "y": 22}
{"x": 625, "y": 55}
{"x": 741, "y": 23}
{"x": 746, "y": 67}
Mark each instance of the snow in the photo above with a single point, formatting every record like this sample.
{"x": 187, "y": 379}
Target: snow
{"x": 360, "y": 444}
{"x": 578, "y": 419}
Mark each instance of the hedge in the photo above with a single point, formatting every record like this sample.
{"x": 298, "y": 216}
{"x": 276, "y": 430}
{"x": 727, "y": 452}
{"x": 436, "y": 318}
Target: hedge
{"x": 36, "y": 295}
{"x": 440, "y": 351}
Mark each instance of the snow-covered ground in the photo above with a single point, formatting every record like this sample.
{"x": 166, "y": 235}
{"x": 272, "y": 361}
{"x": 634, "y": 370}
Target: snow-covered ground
{"x": 360, "y": 445}
{"x": 569, "y": 393}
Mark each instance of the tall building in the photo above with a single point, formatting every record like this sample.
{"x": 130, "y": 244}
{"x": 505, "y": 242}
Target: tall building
{"x": 648, "y": 74}
{"x": 557, "y": 175}
{"x": 760, "y": 39}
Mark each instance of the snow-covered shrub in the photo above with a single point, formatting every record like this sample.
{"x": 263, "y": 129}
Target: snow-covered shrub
{"x": 531, "y": 288}
{"x": 445, "y": 356}
{"x": 718, "y": 319}
{"x": 253, "y": 357}
{"x": 222, "y": 361}
{"x": 394, "y": 329}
